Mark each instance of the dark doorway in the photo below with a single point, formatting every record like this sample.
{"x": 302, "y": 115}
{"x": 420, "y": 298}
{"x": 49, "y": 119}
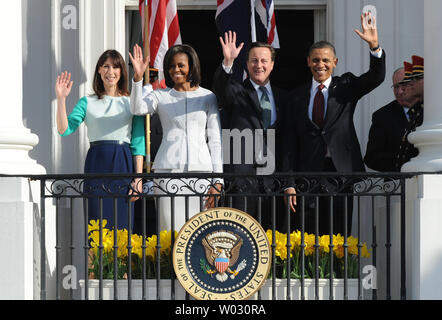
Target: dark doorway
{"x": 296, "y": 34}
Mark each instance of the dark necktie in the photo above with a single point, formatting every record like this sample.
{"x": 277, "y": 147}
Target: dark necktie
{"x": 266, "y": 107}
{"x": 318, "y": 107}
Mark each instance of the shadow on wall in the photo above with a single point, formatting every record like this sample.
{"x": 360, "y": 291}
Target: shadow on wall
{"x": 41, "y": 64}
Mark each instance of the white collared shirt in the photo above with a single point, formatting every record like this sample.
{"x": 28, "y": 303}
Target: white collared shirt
{"x": 259, "y": 92}
{"x": 271, "y": 98}
{"x": 406, "y": 112}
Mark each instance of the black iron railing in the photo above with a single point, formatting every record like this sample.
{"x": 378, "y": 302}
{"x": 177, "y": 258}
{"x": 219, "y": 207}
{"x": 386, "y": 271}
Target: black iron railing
{"x": 312, "y": 190}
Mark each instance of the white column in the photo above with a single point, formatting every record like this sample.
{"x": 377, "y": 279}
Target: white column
{"x": 424, "y": 225}
{"x": 19, "y": 197}
{"x": 15, "y": 140}
{"x": 428, "y": 137}
{"x": 424, "y": 197}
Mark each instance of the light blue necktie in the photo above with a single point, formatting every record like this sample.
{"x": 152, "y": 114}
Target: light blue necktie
{"x": 266, "y": 107}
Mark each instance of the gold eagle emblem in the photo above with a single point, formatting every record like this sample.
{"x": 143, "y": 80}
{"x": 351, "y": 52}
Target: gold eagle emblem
{"x": 222, "y": 252}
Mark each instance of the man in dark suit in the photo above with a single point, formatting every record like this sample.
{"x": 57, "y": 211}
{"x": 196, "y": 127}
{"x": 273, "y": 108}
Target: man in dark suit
{"x": 390, "y": 123}
{"x": 387, "y": 128}
{"x": 414, "y": 95}
{"x": 319, "y": 130}
{"x": 253, "y": 109}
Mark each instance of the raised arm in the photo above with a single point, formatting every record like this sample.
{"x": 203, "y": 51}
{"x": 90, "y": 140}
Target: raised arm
{"x": 229, "y": 47}
{"x": 226, "y": 88}
{"x": 139, "y": 63}
{"x": 139, "y": 103}
{"x": 63, "y": 86}
{"x": 369, "y": 31}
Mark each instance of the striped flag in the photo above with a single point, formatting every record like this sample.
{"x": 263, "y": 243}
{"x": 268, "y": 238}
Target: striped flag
{"x": 266, "y": 13}
{"x": 164, "y": 30}
{"x": 252, "y": 20}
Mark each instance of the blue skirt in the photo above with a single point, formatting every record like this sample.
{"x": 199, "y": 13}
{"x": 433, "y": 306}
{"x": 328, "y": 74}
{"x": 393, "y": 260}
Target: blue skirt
{"x": 109, "y": 157}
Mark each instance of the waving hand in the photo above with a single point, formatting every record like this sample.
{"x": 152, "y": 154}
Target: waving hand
{"x": 230, "y": 50}
{"x": 138, "y": 63}
{"x": 369, "y": 31}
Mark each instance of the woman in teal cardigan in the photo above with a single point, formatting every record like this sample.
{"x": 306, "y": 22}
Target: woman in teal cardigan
{"x": 117, "y": 141}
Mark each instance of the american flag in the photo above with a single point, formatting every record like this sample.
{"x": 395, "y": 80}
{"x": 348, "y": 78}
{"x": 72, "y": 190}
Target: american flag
{"x": 164, "y": 29}
{"x": 252, "y": 20}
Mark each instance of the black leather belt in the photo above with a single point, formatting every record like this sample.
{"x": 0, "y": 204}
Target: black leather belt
{"x": 101, "y": 142}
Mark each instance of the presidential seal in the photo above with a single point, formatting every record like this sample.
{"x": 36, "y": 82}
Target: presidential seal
{"x": 222, "y": 254}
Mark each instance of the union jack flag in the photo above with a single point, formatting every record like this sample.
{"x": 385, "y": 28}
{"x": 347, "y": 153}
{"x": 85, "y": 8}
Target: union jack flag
{"x": 266, "y": 13}
{"x": 252, "y": 20}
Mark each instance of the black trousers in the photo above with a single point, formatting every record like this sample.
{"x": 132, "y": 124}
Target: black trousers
{"x": 150, "y": 218}
{"x": 327, "y": 213}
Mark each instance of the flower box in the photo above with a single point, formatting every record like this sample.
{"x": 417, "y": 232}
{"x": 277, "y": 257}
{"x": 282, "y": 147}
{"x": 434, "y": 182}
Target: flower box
{"x": 136, "y": 292}
{"x": 309, "y": 289}
{"x": 266, "y": 290}
{"x": 326, "y": 247}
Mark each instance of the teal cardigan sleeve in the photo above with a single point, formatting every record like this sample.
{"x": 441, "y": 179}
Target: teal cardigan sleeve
{"x": 138, "y": 141}
{"x": 76, "y": 117}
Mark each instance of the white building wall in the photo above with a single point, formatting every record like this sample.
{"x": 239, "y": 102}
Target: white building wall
{"x": 400, "y": 28}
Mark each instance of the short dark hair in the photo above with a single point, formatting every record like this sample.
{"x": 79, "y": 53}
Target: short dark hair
{"x": 322, "y": 45}
{"x": 259, "y": 44}
{"x": 194, "y": 76}
{"x": 118, "y": 62}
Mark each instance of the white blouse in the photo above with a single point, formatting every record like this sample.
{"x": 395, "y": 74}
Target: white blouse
{"x": 191, "y": 127}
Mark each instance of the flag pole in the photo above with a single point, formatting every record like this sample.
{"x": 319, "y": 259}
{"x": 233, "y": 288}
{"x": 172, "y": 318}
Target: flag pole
{"x": 252, "y": 20}
{"x": 146, "y": 80}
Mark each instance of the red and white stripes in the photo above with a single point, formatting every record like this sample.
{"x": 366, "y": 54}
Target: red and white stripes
{"x": 221, "y": 5}
{"x": 164, "y": 29}
{"x": 266, "y": 13}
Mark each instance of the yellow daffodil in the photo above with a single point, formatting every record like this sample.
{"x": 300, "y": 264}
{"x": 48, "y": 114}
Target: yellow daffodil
{"x": 137, "y": 243}
{"x": 324, "y": 243}
{"x": 122, "y": 243}
{"x": 295, "y": 239}
{"x": 309, "y": 241}
{"x": 95, "y": 225}
{"x": 166, "y": 241}
{"x": 352, "y": 245}
{"x": 364, "y": 251}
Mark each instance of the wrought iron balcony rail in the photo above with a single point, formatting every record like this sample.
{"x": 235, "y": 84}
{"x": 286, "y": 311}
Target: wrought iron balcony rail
{"x": 75, "y": 190}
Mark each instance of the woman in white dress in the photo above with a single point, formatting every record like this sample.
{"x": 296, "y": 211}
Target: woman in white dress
{"x": 191, "y": 133}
